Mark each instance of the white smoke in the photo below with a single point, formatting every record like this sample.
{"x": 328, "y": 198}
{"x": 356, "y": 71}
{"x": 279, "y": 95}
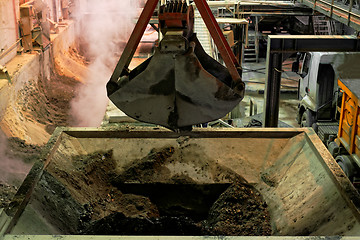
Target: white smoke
{"x": 12, "y": 170}
{"x": 105, "y": 27}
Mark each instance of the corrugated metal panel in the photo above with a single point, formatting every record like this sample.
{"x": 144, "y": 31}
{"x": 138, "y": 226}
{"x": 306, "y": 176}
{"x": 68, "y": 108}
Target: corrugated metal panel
{"x": 325, "y": 130}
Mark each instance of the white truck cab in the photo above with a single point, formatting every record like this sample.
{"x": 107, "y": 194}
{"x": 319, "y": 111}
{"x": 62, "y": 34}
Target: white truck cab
{"x": 318, "y": 90}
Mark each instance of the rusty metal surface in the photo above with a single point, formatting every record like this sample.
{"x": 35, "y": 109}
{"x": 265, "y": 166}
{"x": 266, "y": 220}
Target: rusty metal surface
{"x": 176, "y": 15}
{"x": 291, "y": 155}
{"x": 175, "y": 88}
{"x": 180, "y": 85}
{"x": 134, "y": 40}
{"x": 228, "y": 56}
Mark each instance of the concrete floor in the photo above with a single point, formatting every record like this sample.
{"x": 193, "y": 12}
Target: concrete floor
{"x": 254, "y": 75}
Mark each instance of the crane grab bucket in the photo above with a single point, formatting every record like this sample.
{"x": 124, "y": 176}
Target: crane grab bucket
{"x": 180, "y": 85}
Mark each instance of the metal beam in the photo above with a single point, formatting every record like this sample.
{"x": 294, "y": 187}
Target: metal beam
{"x": 134, "y": 40}
{"x": 277, "y": 45}
{"x": 341, "y": 12}
{"x": 263, "y": 8}
{"x": 272, "y": 89}
{"x": 313, "y": 43}
{"x": 220, "y": 41}
{"x": 278, "y": 13}
{"x": 84, "y": 237}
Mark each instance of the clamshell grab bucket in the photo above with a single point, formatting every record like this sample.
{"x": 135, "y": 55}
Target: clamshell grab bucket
{"x": 180, "y": 85}
{"x": 177, "y": 87}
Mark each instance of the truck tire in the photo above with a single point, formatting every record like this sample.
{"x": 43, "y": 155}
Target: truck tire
{"x": 346, "y": 165}
{"x": 307, "y": 119}
{"x": 333, "y": 148}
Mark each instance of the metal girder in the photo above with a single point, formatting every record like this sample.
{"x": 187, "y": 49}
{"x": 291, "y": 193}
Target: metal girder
{"x": 269, "y": 10}
{"x": 225, "y": 51}
{"x": 341, "y": 12}
{"x": 277, "y": 45}
{"x": 276, "y": 13}
{"x": 84, "y": 237}
{"x": 228, "y": 56}
{"x": 313, "y": 43}
{"x": 272, "y": 89}
{"x": 264, "y": 8}
{"x": 134, "y": 40}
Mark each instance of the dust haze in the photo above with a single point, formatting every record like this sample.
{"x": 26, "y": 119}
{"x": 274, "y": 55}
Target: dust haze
{"x": 104, "y": 29}
{"x": 12, "y": 170}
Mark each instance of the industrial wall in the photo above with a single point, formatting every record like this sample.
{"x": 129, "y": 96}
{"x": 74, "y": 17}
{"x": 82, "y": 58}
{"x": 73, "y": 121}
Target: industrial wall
{"x": 9, "y": 15}
{"x": 32, "y": 86}
{"x": 45, "y": 75}
{"x": 17, "y": 28}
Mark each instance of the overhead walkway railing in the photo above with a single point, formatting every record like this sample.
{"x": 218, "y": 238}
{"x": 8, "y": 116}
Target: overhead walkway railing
{"x": 345, "y": 12}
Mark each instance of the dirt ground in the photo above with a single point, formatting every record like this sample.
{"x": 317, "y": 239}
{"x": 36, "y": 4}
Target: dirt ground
{"x": 240, "y": 210}
{"x": 108, "y": 207}
{"x": 49, "y": 105}
{"x": 7, "y": 192}
{"x": 40, "y": 103}
{"x": 17, "y": 160}
{"x": 18, "y": 148}
{"x": 33, "y": 112}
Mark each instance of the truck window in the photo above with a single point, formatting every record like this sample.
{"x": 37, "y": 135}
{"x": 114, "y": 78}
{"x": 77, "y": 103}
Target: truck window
{"x": 325, "y": 83}
{"x": 306, "y": 65}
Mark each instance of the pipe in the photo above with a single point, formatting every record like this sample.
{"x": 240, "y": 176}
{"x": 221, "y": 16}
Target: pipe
{"x": 7, "y": 51}
{"x": 272, "y": 88}
{"x": 15, "y": 20}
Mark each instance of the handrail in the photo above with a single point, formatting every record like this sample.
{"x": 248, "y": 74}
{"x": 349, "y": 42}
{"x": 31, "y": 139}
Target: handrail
{"x": 7, "y": 51}
{"x": 346, "y": 16}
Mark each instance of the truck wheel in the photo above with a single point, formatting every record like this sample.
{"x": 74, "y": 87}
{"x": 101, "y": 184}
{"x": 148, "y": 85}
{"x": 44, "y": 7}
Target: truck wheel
{"x": 307, "y": 119}
{"x": 346, "y": 165}
{"x": 298, "y": 117}
{"x": 333, "y": 149}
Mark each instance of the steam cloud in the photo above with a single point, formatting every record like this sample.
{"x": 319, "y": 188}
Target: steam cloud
{"x": 12, "y": 170}
{"x": 105, "y": 27}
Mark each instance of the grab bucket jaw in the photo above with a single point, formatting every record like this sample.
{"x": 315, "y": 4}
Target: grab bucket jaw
{"x": 179, "y": 86}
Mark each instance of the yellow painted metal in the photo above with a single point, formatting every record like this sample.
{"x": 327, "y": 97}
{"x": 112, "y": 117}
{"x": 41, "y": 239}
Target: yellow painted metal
{"x": 349, "y": 119}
